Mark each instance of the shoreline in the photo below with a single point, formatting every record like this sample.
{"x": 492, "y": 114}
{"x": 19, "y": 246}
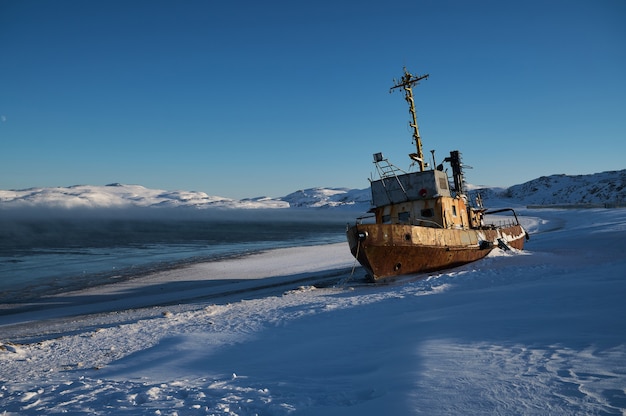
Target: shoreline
{"x": 229, "y": 278}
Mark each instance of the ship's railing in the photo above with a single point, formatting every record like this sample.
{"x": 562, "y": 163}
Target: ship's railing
{"x": 360, "y": 219}
{"x": 417, "y": 221}
{"x": 500, "y": 224}
{"x": 505, "y": 222}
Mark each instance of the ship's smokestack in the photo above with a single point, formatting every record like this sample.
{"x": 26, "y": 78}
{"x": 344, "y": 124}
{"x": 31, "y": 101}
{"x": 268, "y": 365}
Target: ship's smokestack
{"x": 457, "y": 171}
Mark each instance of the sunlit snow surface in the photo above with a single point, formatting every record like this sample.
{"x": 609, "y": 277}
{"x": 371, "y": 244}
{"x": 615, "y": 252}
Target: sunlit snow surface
{"x": 533, "y": 332}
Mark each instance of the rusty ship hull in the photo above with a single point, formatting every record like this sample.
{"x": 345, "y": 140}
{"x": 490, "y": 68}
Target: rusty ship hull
{"x": 390, "y": 250}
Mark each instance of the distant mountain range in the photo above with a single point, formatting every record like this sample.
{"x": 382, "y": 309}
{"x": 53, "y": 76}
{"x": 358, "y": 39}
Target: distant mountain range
{"x": 599, "y": 188}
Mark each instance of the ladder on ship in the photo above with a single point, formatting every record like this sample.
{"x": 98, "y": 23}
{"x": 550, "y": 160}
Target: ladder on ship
{"x": 387, "y": 170}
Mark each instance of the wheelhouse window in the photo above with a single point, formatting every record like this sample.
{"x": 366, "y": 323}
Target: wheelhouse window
{"x": 404, "y": 216}
{"x": 454, "y": 210}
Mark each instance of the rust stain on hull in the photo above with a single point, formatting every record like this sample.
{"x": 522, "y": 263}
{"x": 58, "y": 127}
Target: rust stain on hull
{"x": 389, "y": 250}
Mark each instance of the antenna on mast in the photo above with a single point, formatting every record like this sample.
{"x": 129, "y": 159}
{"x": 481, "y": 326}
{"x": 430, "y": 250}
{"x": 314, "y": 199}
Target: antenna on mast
{"x": 407, "y": 82}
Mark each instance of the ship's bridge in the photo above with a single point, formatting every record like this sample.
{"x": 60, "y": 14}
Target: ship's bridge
{"x": 414, "y": 186}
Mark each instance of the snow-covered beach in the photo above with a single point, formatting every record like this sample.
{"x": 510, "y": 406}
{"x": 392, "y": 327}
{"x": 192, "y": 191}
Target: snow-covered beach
{"x": 533, "y": 332}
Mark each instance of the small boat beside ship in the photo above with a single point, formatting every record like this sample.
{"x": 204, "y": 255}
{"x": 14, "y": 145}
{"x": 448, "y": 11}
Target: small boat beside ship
{"x": 421, "y": 221}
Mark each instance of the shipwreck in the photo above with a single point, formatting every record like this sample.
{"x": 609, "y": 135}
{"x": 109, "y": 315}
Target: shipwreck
{"x": 422, "y": 221}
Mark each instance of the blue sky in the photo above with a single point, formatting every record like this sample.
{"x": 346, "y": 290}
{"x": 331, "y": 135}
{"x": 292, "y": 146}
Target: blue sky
{"x": 247, "y": 98}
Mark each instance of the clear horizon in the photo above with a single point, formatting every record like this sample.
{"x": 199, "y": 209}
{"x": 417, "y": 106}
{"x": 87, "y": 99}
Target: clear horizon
{"x": 243, "y": 99}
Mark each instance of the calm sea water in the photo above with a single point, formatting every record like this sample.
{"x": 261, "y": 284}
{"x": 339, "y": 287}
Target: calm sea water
{"x": 52, "y": 255}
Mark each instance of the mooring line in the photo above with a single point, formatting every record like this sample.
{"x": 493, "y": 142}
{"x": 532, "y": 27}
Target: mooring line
{"x": 356, "y": 256}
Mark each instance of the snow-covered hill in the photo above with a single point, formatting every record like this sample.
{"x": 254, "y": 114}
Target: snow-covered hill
{"x": 599, "y": 188}
{"x": 121, "y": 196}
{"x": 328, "y": 197}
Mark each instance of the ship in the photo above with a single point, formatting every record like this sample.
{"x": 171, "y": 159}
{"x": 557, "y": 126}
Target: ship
{"x": 422, "y": 221}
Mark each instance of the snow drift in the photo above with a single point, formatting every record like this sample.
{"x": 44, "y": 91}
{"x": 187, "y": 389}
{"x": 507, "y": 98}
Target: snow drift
{"x": 525, "y": 333}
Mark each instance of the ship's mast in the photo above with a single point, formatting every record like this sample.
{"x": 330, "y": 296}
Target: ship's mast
{"x": 407, "y": 82}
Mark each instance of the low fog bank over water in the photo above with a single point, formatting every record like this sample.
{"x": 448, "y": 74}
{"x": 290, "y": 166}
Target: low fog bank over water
{"x": 33, "y": 228}
{"x": 49, "y": 251}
